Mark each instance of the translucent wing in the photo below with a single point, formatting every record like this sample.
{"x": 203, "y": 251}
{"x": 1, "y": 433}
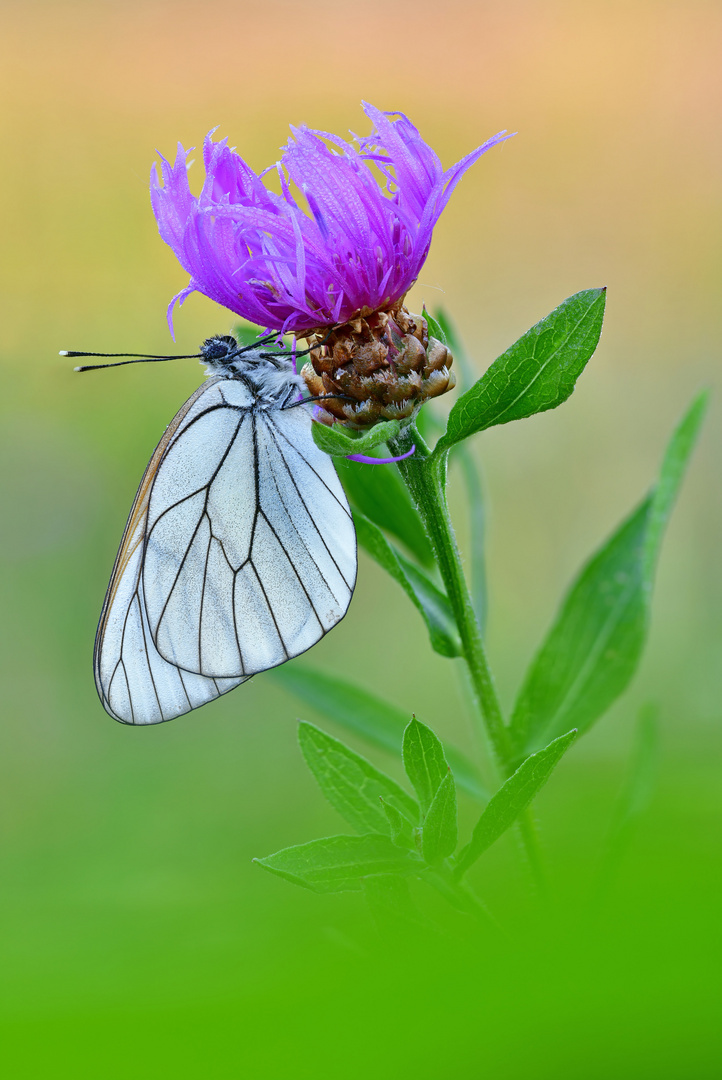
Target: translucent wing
{"x": 239, "y": 554}
{"x": 135, "y": 684}
{"x": 250, "y": 553}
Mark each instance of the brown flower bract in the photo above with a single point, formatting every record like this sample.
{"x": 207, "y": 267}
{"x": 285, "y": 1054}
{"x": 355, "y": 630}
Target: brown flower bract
{"x": 384, "y": 361}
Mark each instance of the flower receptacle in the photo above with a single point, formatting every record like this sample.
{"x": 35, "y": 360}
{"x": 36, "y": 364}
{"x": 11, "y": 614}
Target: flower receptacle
{"x": 384, "y": 360}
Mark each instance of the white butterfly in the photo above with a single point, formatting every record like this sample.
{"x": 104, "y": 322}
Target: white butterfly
{"x": 239, "y": 552}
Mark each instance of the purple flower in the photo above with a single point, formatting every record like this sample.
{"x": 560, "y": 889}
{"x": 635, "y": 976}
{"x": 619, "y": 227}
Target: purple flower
{"x": 357, "y": 248}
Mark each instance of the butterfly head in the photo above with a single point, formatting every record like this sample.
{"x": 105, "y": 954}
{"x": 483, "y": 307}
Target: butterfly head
{"x": 219, "y": 350}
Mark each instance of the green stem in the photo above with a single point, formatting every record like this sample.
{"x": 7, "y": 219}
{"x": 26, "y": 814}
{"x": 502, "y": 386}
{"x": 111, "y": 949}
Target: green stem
{"x": 425, "y": 476}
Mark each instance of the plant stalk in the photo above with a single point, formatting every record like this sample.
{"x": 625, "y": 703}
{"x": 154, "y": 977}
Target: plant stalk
{"x": 424, "y": 473}
{"x": 425, "y": 477}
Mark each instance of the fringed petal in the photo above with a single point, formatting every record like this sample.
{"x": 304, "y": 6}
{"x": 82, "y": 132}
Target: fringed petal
{"x": 356, "y": 245}
{"x": 179, "y": 299}
{"x": 365, "y": 460}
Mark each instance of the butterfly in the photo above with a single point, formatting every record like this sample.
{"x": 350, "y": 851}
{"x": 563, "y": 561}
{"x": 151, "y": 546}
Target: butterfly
{"x": 239, "y": 552}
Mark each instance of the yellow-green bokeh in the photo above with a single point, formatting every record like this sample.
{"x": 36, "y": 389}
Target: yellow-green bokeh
{"x": 139, "y": 940}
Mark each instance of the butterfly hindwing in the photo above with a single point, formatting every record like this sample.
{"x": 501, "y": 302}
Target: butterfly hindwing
{"x": 135, "y": 683}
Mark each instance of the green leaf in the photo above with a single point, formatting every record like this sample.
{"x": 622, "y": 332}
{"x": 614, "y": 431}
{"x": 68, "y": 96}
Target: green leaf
{"x": 435, "y": 329}
{"x": 339, "y": 442}
{"x": 366, "y": 715}
{"x": 593, "y": 648}
{"x": 439, "y": 834}
{"x": 512, "y": 799}
{"x": 432, "y": 604}
{"x": 424, "y": 761}
{"x": 340, "y": 863}
{"x": 399, "y": 826}
{"x": 537, "y": 373}
{"x": 380, "y": 494}
{"x": 671, "y": 474}
{"x": 351, "y": 783}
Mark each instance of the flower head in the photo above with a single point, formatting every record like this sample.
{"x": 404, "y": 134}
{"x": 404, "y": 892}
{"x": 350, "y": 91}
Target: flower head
{"x": 381, "y": 367}
{"x": 354, "y": 249}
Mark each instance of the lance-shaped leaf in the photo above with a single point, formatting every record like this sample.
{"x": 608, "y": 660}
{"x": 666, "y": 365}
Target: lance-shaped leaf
{"x": 512, "y": 799}
{"x": 436, "y": 330}
{"x": 339, "y": 442}
{"x": 671, "y": 475}
{"x": 432, "y": 604}
{"x": 399, "y": 826}
{"x": 424, "y": 761}
{"x": 340, "y": 863}
{"x": 439, "y": 834}
{"x": 369, "y": 717}
{"x": 351, "y": 783}
{"x": 594, "y": 646}
{"x": 380, "y": 494}
{"x": 537, "y": 373}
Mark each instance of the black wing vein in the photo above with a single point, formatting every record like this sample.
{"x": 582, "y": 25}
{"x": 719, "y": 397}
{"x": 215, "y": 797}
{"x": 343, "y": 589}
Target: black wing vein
{"x": 306, "y": 507}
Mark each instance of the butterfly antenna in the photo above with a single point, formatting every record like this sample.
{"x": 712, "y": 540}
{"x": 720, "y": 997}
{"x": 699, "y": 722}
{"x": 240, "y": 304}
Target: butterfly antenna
{"x": 139, "y": 358}
{"x": 149, "y": 358}
{"x": 305, "y": 352}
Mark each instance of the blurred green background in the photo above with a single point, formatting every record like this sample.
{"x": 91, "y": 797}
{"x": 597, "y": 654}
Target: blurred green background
{"x": 137, "y": 937}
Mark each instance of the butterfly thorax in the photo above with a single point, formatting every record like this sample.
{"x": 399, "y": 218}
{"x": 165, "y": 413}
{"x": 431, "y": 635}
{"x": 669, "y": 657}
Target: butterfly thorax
{"x": 269, "y": 375}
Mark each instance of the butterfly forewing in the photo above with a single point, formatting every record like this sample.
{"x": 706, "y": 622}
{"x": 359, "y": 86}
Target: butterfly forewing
{"x": 242, "y": 573}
